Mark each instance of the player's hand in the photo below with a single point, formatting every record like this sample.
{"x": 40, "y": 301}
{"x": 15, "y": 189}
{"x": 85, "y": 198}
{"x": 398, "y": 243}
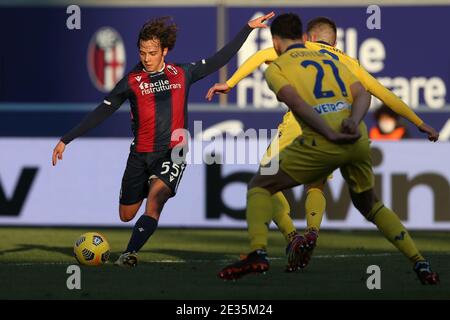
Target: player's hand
{"x": 432, "y": 134}
{"x": 258, "y": 22}
{"x": 344, "y": 138}
{"x": 216, "y": 89}
{"x": 349, "y": 126}
{"x": 58, "y": 152}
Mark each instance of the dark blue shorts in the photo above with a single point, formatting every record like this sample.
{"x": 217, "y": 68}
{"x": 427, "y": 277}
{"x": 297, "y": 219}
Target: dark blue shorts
{"x": 144, "y": 166}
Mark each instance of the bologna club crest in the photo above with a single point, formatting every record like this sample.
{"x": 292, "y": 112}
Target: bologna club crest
{"x": 172, "y": 69}
{"x": 106, "y": 59}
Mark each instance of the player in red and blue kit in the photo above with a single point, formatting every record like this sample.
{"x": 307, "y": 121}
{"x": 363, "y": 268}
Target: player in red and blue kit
{"x": 158, "y": 95}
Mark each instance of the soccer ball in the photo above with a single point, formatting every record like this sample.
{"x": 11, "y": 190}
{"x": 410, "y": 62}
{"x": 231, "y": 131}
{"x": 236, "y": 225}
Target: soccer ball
{"x": 91, "y": 249}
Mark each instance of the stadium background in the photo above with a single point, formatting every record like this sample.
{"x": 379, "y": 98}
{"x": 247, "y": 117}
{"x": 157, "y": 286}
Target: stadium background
{"x": 48, "y": 82}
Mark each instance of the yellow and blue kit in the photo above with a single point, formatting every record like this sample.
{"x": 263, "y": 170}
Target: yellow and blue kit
{"x": 324, "y": 84}
{"x": 289, "y": 129}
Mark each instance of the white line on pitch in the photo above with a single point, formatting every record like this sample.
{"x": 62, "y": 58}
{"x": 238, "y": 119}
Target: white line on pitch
{"x": 337, "y": 256}
{"x": 212, "y": 260}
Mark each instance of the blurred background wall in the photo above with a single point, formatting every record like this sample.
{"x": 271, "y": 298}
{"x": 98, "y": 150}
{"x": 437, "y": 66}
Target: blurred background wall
{"x": 50, "y": 79}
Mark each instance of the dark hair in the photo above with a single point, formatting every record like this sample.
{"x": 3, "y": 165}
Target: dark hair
{"x": 318, "y": 22}
{"x": 383, "y": 109}
{"x": 287, "y": 26}
{"x": 162, "y": 29}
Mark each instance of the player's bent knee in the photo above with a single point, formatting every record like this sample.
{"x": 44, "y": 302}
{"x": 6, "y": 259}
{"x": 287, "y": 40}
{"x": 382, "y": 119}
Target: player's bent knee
{"x": 363, "y": 207}
{"x": 127, "y": 213}
{"x": 364, "y": 202}
{"x": 318, "y": 186}
{"x": 124, "y": 217}
{"x": 265, "y": 182}
{"x": 253, "y": 183}
{"x": 158, "y": 196}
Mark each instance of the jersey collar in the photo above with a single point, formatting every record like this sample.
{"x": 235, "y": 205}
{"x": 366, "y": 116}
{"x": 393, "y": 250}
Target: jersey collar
{"x": 296, "y": 46}
{"x": 323, "y": 42}
{"x": 155, "y": 72}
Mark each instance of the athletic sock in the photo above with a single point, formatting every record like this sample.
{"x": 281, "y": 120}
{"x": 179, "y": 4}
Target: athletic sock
{"x": 143, "y": 229}
{"x": 259, "y": 215}
{"x": 315, "y": 206}
{"x": 392, "y": 228}
{"x": 281, "y": 217}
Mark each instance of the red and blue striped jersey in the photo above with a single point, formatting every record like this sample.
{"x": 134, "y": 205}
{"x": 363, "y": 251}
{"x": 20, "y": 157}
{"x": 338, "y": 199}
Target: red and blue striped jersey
{"x": 158, "y": 102}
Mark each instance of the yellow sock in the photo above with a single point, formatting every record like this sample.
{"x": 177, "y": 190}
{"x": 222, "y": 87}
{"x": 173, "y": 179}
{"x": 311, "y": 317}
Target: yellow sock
{"x": 389, "y": 224}
{"x": 315, "y": 206}
{"x": 259, "y": 216}
{"x": 281, "y": 217}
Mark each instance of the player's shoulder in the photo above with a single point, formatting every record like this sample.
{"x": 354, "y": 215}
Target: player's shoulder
{"x": 331, "y": 49}
{"x": 136, "y": 74}
{"x": 279, "y": 61}
{"x": 175, "y": 68}
{"x": 189, "y": 65}
{"x": 177, "y": 65}
{"x": 275, "y": 66}
{"x": 346, "y": 59}
{"x": 323, "y": 46}
{"x": 283, "y": 62}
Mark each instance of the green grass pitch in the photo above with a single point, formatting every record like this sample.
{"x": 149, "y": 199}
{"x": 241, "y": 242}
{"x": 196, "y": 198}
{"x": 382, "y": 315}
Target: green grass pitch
{"x": 183, "y": 263}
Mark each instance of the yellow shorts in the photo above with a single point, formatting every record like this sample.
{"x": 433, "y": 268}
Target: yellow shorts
{"x": 288, "y": 130}
{"x": 307, "y": 162}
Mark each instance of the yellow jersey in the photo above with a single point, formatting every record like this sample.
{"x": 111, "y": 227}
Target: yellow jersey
{"x": 322, "y": 82}
{"x": 368, "y": 81}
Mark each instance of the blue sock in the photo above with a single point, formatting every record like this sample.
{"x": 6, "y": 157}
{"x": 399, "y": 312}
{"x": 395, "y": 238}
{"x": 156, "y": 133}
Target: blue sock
{"x": 143, "y": 229}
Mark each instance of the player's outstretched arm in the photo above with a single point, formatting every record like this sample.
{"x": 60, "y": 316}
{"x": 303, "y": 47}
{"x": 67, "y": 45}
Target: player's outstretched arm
{"x": 249, "y": 65}
{"x": 94, "y": 118}
{"x": 395, "y": 103}
{"x": 91, "y": 121}
{"x": 388, "y": 97}
{"x": 432, "y": 134}
{"x": 111, "y": 103}
{"x": 218, "y": 60}
{"x": 301, "y": 109}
